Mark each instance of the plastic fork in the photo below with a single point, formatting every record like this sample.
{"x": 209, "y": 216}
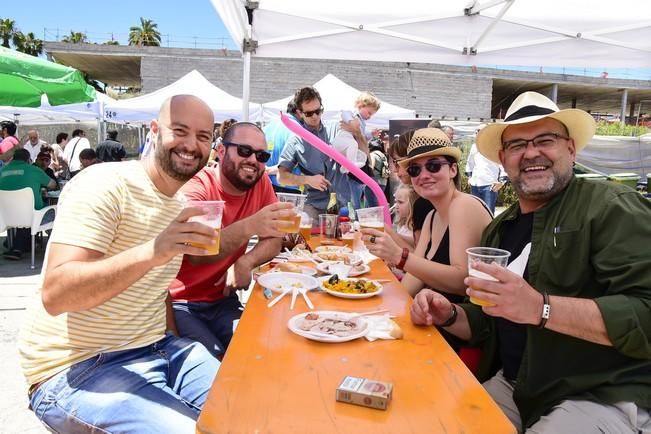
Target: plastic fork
{"x": 294, "y": 294}
{"x": 282, "y": 294}
{"x": 303, "y": 292}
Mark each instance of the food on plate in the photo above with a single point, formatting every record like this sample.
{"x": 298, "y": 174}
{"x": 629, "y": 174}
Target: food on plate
{"x": 346, "y": 258}
{"x": 396, "y": 331}
{"x": 350, "y": 286}
{"x": 329, "y": 325}
{"x": 289, "y": 267}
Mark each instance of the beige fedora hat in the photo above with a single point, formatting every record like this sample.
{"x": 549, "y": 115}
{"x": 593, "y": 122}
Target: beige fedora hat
{"x": 429, "y": 142}
{"x": 530, "y": 107}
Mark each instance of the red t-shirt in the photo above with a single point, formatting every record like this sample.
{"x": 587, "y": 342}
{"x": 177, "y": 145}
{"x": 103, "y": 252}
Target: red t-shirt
{"x": 206, "y": 282}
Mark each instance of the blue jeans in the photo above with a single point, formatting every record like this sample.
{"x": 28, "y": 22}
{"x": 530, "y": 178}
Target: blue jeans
{"x": 210, "y": 323}
{"x": 356, "y": 190}
{"x": 484, "y": 193}
{"x": 159, "y": 388}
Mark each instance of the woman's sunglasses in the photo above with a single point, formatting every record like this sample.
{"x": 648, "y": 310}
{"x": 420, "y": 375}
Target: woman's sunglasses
{"x": 432, "y": 166}
{"x": 245, "y": 151}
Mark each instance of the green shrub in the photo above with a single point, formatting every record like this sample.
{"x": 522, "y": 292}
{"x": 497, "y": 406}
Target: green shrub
{"x": 617, "y": 129}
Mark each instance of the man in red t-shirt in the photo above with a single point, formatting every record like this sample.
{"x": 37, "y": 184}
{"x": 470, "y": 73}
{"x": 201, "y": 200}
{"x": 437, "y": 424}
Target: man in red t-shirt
{"x": 203, "y": 295}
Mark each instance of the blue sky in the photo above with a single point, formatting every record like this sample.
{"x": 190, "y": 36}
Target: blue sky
{"x": 190, "y": 23}
{"x": 185, "y": 22}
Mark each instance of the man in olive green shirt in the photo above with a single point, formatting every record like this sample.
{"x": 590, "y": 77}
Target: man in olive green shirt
{"x": 566, "y": 336}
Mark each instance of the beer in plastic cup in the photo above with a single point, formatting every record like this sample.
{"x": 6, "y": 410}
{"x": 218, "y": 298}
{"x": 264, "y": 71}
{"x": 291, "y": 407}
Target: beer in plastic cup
{"x": 213, "y": 210}
{"x": 487, "y": 255}
{"x": 305, "y": 228}
{"x": 328, "y": 225}
{"x": 298, "y": 200}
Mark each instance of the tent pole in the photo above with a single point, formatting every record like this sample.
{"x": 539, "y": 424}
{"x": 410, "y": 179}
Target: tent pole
{"x": 622, "y": 111}
{"x": 246, "y": 85}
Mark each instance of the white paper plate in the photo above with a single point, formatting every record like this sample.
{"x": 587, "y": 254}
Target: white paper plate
{"x": 353, "y": 258}
{"x": 277, "y": 280}
{"x": 353, "y": 296}
{"x": 338, "y": 249}
{"x": 324, "y": 267}
{"x": 295, "y": 320}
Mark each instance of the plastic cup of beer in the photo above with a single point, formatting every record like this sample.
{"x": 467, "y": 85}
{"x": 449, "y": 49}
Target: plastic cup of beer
{"x": 305, "y": 228}
{"x": 213, "y": 210}
{"x": 347, "y": 232}
{"x": 487, "y": 255}
{"x": 298, "y": 200}
{"x": 371, "y": 218}
{"x": 328, "y": 225}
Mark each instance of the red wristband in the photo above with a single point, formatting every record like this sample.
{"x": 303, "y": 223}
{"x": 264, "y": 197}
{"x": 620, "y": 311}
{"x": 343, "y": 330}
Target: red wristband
{"x": 403, "y": 259}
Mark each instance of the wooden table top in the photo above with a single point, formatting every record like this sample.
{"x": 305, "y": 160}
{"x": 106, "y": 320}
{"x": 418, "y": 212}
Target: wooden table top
{"x": 273, "y": 381}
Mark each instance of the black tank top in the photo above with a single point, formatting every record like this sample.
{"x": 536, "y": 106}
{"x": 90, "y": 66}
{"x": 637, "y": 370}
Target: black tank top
{"x": 442, "y": 254}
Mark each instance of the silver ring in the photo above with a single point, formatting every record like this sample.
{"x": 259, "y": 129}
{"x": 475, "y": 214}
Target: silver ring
{"x": 372, "y": 239}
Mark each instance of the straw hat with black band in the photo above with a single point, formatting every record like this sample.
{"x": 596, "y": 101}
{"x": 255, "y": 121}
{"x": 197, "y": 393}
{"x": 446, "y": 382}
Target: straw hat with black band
{"x": 430, "y": 142}
{"x": 530, "y": 107}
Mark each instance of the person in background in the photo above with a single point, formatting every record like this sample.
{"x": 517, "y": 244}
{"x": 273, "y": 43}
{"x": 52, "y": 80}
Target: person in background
{"x": 88, "y": 157}
{"x": 219, "y": 137}
{"x": 439, "y": 260}
{"x": 484, "y": 176}
{"x": 565, "y": 331}
{"x": 277, "y": 134}
{"x": 449, "y": 131}
{"x": 58, "y": 162}
{"x": 379, "y": 167}
{"x": 43, "y": 160}
{"x": 403, "y": 222}
{"x": 8, "y": 141}
{"x": 33, "y": 144}
{"x": 205, "y": 302}
{"x": 319, "y": 174}
{"x": 94, "y": 347}
{"x": 110, "y": 149}
{"x": 71, "y": 152}
{"x": 19, "y": 174}
{"x": 434, "y": 123}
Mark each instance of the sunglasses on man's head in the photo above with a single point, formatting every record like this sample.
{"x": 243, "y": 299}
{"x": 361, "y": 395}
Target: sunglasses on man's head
{"x": 245, "y": 151}
{"x": 310, "y": 113}
{"x": 432, "y": 166}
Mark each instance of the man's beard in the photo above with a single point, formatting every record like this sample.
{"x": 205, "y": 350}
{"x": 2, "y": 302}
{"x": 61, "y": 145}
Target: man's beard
{"x": 164, "y": 158}
{"x": 553, "y": 185}
{"x": 231, "y": 172}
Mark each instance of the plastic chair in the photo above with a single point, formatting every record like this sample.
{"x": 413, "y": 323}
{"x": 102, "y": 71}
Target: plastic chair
{"x": 17, "y": 211}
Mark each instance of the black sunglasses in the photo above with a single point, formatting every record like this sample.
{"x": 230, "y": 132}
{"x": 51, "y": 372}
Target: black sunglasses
{"x": 432, "y": 166}
{"x": 310, "y": 113}
{"x": 245, "y": 151}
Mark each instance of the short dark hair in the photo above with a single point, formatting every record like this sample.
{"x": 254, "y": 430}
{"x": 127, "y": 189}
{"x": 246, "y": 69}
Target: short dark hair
{"x": 457, "y": 177}
{"x": 225, "y": 126}
{"x": 399, "y": 146}
{"x": 22, "y": 155}
{"x": 434, "y": 124}
{"x": 230, "y": 132}
{"x": 87, "y": 154}
{"x": 61, "y": 137}
{"x": 112, "y": 134}
{"x": 306, "y": 94}
{"x": 77, "y": 133}
{"x": 10, "y": 126}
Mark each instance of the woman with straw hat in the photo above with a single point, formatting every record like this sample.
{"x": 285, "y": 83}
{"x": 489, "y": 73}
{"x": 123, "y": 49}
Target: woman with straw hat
{"x": 439, "y": 260}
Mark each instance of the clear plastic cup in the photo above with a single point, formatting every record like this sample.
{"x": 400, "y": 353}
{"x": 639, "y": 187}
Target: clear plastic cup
{"x": 371, "y": 218}
{"x": 328, "y": 225}
{"x": 298, "y": 200}
{"x": 213, "y": 211}
{"x": 487, "y": 255}
{"x": 305, "y": 228}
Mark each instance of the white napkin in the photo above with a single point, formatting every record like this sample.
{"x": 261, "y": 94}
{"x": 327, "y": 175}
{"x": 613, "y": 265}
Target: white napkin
{"x": 379, "y": 327}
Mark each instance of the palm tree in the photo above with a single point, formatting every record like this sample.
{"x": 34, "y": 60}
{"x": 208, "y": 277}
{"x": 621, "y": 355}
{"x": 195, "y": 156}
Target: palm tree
{"x": 8, "y": 31}
{"x": 30, "y": 44}
{"x": 111, "y": 42}
{"x": 147, "y": 34}
{"x": 75, "y": 38}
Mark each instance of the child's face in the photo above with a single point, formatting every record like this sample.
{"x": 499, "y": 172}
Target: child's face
{"x": 366, "y": 112}
{"x": 402, "y": 203}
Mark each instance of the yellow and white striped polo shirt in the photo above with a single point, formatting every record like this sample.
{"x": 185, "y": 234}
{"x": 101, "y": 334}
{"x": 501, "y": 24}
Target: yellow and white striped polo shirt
{"x": 108, "y": 207}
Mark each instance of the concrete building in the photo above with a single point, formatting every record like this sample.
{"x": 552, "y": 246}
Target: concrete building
{"x": 437, "y": 91}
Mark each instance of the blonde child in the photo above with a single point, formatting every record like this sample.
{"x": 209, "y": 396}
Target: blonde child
{"x": 404, "y": 198}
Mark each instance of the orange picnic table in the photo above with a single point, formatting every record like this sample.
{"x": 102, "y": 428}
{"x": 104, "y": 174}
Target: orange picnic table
{"x": 274, "y": 381}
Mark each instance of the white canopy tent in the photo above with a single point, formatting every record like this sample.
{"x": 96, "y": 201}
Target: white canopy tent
{"x": 579, "y": 33}
{"x": 145, "y": 108}
{"x": 66, "y": 113}
{"x": 338, "y": 96}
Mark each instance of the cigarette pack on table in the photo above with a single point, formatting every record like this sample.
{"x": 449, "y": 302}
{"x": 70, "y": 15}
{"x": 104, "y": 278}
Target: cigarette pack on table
{"x": 362, "y": 391}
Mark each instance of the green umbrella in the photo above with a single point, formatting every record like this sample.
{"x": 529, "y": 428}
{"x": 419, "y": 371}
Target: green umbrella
{"x": 24, "y": 78}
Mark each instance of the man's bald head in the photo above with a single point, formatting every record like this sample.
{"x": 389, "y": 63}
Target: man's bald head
{"x": 177, "y": 103}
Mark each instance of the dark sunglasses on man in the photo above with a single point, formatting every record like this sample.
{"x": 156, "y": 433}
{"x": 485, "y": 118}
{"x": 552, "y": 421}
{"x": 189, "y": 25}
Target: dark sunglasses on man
{"x": 310, "y": 113}
{"x": 432, "y": 166}
{"x": 245, "y": 151}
